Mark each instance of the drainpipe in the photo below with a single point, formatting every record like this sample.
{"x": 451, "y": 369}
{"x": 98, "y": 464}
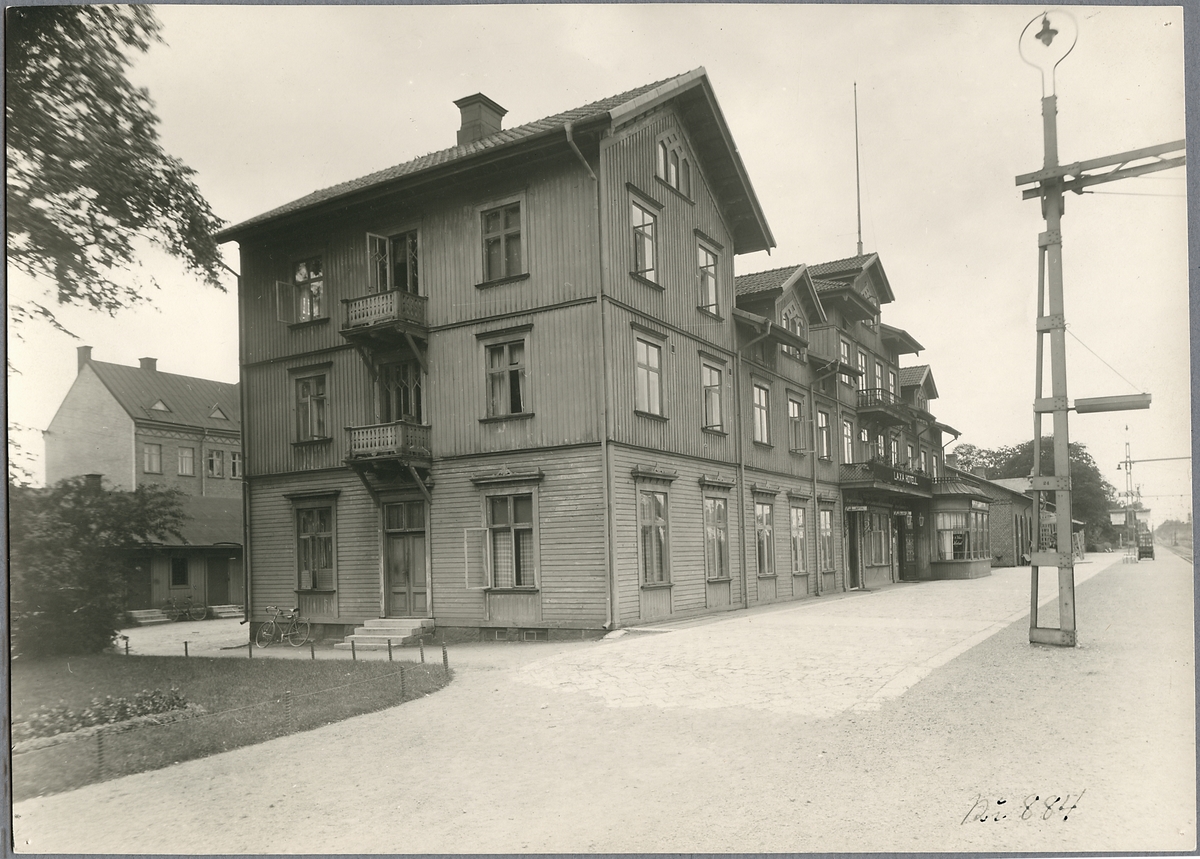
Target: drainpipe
{"x": 248, "y": 611}
{"x": 611, "y": 607}
{"x": 765, "y": 331}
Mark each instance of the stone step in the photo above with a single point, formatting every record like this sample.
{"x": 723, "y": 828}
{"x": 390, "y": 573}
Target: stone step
{"x": 375, "y": 633}
{"x": 147, "y": 617}
{"x": 413, "y": 622}
{"x": 377, "y": 642}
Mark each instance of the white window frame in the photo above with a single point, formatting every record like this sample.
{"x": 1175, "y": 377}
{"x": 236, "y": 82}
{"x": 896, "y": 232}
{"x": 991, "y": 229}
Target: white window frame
{"x": 381, "y": 251}
{"x": 187, "y": 462}
{"x": 764, "y": 538}
{"x": 716, "y": 538}
{"x": 504, "y": 236}
{"x": 643, "y": 223}
{"x": 712, "y": 382}
{"x": 151, "y": 458}
{"x": 214, "y": 462}
{"x": 235, "y": 464}
{"x": 762, "y": 413}
{"x": 662, "y": 575}
{"x": 306, "y": 580}
{"x": 799, "y": 539}
{"x": 847, "y": 441}
{"x": 648, "y": 376}
{"x": 511, "y": 526}
{"x": 824, "y": 442}
{"x": 505, "y": 372}
{"x": 314, "y": 406}
{"x": 708, "y": 265}
{"x": 826, "y": 561}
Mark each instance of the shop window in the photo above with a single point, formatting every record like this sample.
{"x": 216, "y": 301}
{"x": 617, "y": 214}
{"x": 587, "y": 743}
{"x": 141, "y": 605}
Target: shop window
{"x": 878, "y": 542}
{"x": 764, "y": 538}
{"x": 716, "y": 538}
{"x": 825, "y": 539}
{"x": 799, "y": 542}
{"x": 963, "y": 535}
{"x": 654, "y": 542}
{"x": 314, "y": 548}
{"x": 511, "y": 541}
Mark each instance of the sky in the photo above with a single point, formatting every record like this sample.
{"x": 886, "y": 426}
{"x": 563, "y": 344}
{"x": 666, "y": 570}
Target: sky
{"x": 269, "y": 103}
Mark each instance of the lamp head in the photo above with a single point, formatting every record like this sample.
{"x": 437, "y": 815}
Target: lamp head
{"x": 1046, "y": 41}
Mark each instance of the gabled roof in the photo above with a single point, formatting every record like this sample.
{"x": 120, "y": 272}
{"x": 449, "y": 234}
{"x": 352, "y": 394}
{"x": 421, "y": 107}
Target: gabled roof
{"x": 190, "y": 400}
{"x": 847, "y": 271}
{"x": 751, "y": 232}
{"x": 919, "y": 375}
{"x": 906, "y": 344}
{"x": 776, "y": 281}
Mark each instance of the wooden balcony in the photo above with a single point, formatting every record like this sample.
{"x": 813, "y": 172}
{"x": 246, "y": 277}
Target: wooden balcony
{"x": 885, "y": 478}
{"x": 882, "y": 407}
{"x": 384, "y": 316}
{"x": 401, "y": 442}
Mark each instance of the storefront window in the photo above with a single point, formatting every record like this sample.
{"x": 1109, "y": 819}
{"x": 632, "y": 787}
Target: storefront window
{"x": 963, "y": 535}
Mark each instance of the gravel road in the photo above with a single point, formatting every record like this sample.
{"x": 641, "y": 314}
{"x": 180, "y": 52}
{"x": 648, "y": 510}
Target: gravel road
{"x": 495, "y": 763}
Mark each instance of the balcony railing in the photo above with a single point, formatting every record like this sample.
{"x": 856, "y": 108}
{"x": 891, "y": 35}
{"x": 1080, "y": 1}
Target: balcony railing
{"x": 399, "y": 439}
{"x": 395, "y": 305}
{"x": 877, "y": 397}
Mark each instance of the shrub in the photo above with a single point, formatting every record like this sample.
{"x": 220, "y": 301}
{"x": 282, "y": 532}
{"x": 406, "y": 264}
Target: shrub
{"x": 49, "y": 720}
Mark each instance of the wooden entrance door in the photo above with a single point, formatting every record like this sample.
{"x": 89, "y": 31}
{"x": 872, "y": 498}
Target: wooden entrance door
{"x": 404, "y": 559}
{"x": 906, "y": 554}
{"x": 218, "y": 581}
{"x": 853, "y": 553}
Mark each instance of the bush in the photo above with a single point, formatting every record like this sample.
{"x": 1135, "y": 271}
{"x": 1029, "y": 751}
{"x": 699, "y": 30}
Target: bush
{"x": 49, "y": 720}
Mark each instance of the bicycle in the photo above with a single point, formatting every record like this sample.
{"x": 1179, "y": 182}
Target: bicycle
{"x": 184, "y": 609}
{"x": 285, "y": 626}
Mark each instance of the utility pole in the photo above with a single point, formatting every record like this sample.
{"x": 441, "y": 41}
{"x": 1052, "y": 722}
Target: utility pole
{"x": 1044, "y": 43}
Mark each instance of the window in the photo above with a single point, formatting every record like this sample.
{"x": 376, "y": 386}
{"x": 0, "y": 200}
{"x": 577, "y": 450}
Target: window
{"x": 394, "y": 263}
{"x": 762, "y": 414}
{"x": 510, "y": 541}
{"x": 892, "y": 383}
{"x": 152, "y": 458}
{"x": 654, "y": 542}
{"x": 844, "y": 354}
{"x": 877, "y": 540}
{"x": 314, "y": 548}
{"x": 825, "y": 539}
{"x": 716, "y": 538}
{"x": 187, "y": 461}
{"x": 507, "y": 387}
{"x": 710, "y": 379}
{"x": 310, "y": 408}
{"x": 794, "y": 322}
{"x": 502, "y": 242}
{"x": 400, "y": 392}
{"x": 707, "y": 278}
{"x": 847, "y": 441}
{"x": 216, "y": 463}
{"x": 895, "y": 450}
{"x": 963, "y": 535}
{"x": 648, "y": 377}
{"x": 644, "y": 242}
{"x": 909, "y": 462}
{"x": 160, "y": 406}
{"x": 797, "y": 442}
{"x": 924, "y": 462}
{"x": 179, "y": 572}
{"x": 878, "y": 374}
{"x": 309, "y": 278}
{"x": 879, "y": 448}
{"x": 799, "y": 542}
{"x": 764, "y": 539}
{"x": 824, "y": 450}
{"x": 235, "y": 464}
{"x": 862, "y": 371}
{"x": 672, "y": 165}
{"x": 934, "y": 473}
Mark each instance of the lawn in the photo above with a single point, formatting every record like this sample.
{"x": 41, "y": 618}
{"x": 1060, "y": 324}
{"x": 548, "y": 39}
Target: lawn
{"x": 244, "y": 702}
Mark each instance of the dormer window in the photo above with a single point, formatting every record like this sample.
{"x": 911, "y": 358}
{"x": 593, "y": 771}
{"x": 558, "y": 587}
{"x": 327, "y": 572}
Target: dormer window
{"x": 217, "y": 414}
{"x": 160, "y": 406}
{"x": 672, "y": 165}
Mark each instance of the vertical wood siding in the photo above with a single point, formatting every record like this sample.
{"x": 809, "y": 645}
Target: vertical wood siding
{"x": 570, "y": 535}
{"x": 561, "y": 373}
{"x": 685, "y": 512}
{"x": 559, "y": 246}
{"x": 629, "y": 157}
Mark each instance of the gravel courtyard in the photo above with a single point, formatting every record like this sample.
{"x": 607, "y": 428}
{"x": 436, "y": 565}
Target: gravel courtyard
{"x": 886, "y": 721}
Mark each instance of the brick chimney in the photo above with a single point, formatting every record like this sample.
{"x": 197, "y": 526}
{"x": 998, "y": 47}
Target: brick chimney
{"x": 85, "y": 357}
{"x": 480, "y": 117}
{"x": 148, "y": 363}
{"x": 952, "y": 460}
{"x": 979, "y": 471}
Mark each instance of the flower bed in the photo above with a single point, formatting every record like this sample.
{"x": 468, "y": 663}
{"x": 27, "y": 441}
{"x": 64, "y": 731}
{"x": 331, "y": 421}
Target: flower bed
{"x": 51, "y": 720}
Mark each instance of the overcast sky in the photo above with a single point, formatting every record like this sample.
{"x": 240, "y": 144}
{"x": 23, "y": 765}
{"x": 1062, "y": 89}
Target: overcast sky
{"x": 270, "y": 103}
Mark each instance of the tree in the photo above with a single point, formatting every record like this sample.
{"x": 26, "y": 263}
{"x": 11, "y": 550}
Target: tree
{"x": 1091, "y": 494}
{"x": 70, "y": 562}
{"x": 87, "y": 177}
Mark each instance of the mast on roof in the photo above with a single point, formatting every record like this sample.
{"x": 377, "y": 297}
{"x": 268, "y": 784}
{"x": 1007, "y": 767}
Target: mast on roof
{"x": 857, "y": 184}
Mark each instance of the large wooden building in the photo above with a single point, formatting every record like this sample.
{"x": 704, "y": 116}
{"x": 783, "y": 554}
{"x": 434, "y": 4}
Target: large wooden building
{"x": 513, "y": 389}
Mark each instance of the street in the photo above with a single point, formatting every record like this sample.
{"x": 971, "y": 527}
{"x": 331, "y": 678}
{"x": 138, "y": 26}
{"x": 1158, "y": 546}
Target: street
{"x": 914, "y": 718}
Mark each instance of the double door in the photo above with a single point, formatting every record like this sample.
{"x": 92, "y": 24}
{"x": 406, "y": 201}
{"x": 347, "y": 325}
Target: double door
{"x": 405, "y": 586}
